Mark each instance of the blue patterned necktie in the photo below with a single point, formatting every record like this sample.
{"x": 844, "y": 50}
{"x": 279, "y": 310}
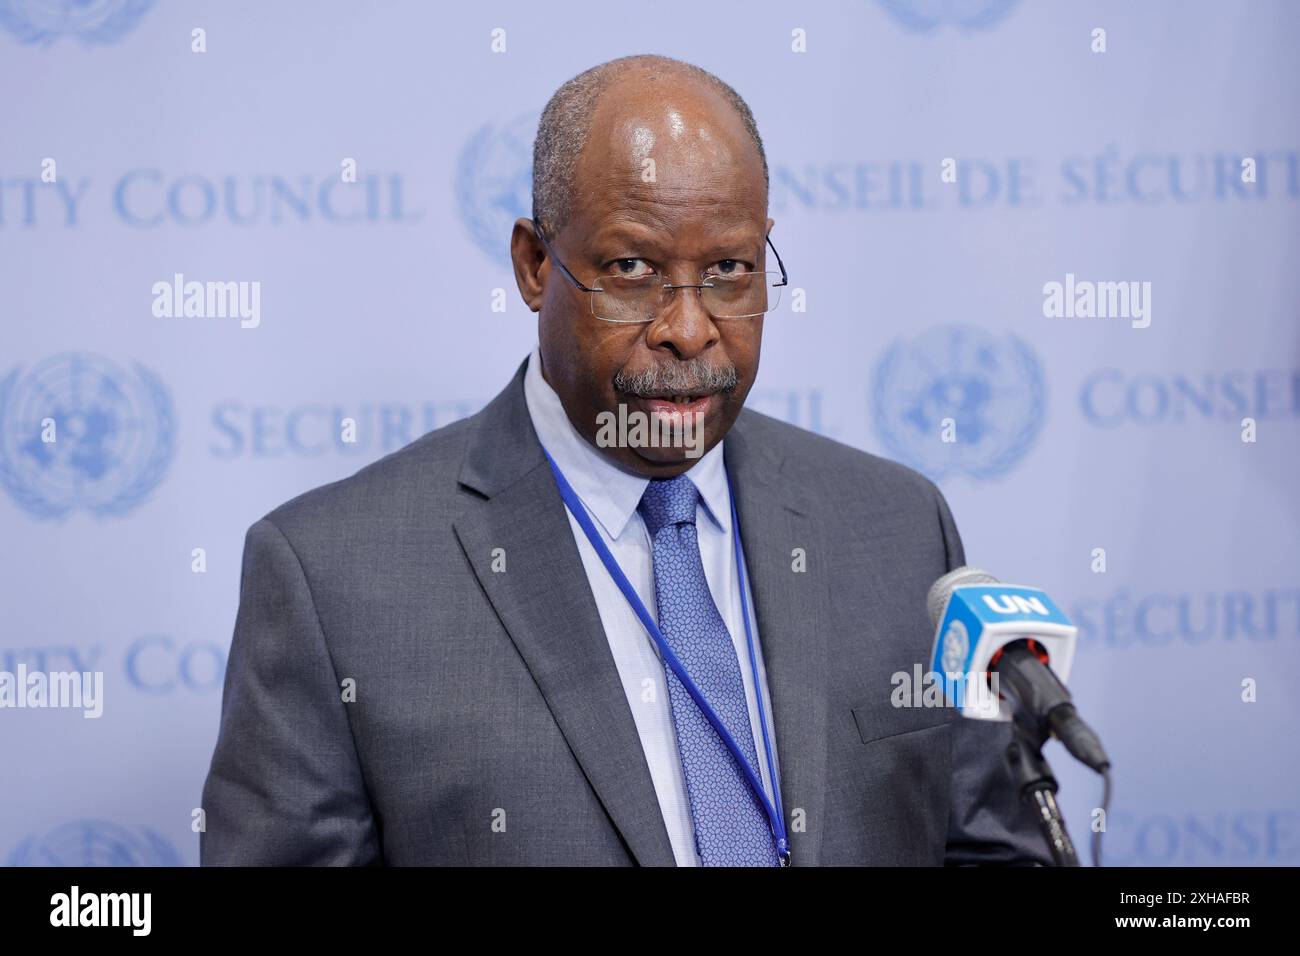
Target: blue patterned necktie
{"x": 731, "y": 826}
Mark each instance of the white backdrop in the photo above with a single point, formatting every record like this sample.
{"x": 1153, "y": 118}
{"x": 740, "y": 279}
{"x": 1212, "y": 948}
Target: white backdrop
{"x": 924, "y": 301}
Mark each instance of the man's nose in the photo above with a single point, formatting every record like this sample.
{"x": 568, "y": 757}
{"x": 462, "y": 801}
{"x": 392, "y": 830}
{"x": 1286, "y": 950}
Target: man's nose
{"x": 683, "y": 325}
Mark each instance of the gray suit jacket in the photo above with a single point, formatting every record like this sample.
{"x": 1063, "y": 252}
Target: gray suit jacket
{"x": 489, "y": 725}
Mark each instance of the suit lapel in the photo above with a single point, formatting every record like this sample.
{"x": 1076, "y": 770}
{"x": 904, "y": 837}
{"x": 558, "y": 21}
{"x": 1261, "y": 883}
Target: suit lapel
{"x": 775, "y": 520}
{"x": 545, "y": 603}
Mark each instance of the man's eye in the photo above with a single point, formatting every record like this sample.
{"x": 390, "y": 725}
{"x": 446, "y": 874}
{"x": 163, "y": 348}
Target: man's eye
{"x": 729, "y": 267}
{"x": 631, "y": 268}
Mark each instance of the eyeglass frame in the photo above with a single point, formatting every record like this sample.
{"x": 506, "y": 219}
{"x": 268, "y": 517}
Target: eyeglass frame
{"x": 537, "y": 231}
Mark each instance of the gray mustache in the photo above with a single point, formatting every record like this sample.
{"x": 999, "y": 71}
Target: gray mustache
{"x": 692, "y": 377}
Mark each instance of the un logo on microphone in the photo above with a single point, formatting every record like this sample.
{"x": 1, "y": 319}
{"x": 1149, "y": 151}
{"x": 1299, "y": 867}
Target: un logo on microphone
{"x": 494, "y": 183}
{"x": 959, "y": 400}
{"x": 956, "y": 646}
{"x": 78, "y": 432}
{"x": 42, "y": 22}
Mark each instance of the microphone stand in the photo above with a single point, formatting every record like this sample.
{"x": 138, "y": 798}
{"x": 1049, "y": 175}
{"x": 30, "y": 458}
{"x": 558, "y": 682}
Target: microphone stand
{"x": 1037, "y": 788}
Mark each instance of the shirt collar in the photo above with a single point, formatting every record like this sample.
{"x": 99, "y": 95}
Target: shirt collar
{"x": 610, "y": 493}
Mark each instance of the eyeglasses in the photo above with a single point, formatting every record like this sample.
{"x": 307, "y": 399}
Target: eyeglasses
{"x": 629, "y": 299}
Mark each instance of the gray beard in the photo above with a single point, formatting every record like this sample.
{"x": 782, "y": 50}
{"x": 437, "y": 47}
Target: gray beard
{"x": 693, "y": 377}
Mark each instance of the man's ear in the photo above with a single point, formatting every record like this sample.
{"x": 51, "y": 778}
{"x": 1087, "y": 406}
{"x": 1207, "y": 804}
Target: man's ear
{"x": 529, "y": 257}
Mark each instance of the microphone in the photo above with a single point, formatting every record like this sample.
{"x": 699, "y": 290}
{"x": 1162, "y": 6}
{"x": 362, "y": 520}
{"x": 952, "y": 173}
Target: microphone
{"x": 1024, "y": 643}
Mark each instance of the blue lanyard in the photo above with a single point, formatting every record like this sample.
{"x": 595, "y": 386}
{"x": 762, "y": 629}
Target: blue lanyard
{"x": 775, "y": 814}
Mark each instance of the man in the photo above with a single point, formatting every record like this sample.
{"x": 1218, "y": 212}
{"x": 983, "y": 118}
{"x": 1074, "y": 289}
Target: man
{"x": 533, "y": 638}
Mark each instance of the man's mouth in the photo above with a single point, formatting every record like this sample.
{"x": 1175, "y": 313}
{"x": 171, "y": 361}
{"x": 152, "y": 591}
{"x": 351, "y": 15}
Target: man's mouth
{"x": 678, "y": 405}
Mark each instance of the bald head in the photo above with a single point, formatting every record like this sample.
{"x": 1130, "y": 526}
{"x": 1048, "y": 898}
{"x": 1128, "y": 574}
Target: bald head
{"x": 638, "y": 108}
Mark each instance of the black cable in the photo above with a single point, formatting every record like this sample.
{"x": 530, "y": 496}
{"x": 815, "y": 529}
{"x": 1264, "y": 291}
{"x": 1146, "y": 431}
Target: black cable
{"x": 1105, "y": 817}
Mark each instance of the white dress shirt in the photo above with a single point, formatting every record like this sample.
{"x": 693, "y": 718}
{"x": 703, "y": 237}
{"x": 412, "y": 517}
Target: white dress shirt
{"x": 611, "y": 496}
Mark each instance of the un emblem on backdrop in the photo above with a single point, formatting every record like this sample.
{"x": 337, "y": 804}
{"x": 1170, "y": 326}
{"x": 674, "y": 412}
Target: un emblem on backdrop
{"x": 927, "y": 16}
{"x": 95, "y": 843}
{"x": 113, "y": 436}
{"x": 91, "y": 21}
{"x": 494, "y": 183}
{"x": 991, "y": 387}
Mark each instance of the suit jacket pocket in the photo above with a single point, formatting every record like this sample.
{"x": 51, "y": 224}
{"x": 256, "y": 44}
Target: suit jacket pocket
{"x": 876, "y": 722}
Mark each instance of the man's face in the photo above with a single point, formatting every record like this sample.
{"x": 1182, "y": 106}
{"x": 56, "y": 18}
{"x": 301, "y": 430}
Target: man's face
{"x": 669, "y": 184}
